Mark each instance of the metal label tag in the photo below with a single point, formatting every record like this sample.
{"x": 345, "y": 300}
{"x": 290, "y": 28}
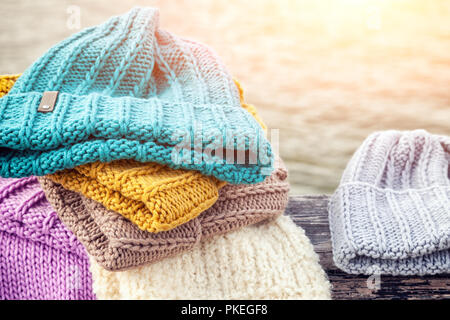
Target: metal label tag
{"x": 48, "y": 101}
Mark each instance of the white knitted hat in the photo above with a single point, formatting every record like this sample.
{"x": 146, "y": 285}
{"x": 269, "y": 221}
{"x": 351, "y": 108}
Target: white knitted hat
{"x": 391, "y": 212}
{"x": 273, "y": 260}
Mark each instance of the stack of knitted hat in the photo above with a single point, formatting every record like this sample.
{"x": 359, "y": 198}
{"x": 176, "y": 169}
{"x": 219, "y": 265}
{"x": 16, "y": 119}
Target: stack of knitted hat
{"x": 130, "y": 130}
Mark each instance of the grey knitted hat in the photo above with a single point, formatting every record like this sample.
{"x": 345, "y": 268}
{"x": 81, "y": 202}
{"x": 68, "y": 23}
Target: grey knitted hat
{"x": 391, "y": 212}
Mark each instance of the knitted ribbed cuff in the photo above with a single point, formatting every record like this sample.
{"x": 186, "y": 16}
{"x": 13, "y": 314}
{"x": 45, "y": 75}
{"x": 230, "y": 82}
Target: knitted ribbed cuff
{"x": 89, "y": 128}
{"x": 383, "y": 231}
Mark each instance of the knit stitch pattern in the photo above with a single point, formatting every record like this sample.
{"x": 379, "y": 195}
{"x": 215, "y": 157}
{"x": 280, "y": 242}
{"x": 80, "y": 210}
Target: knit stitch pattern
{"x": 39, "y": 257}
{"x": 130, "y": 90}
{"x": 273, "y": 260}
{"x": 117, "y": 244}
{"x": 153, "y": 196}
{"x": 391, "y": 212}
{"x": 6, "y": 83}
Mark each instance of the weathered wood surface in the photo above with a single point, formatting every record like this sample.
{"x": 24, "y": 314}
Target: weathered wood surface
{"x": 310, "y": 213}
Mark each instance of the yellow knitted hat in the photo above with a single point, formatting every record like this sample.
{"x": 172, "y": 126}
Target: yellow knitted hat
{"x": 153, "y": 196}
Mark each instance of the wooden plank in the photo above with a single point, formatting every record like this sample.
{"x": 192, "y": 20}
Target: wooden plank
{"x": 310, "y": 213}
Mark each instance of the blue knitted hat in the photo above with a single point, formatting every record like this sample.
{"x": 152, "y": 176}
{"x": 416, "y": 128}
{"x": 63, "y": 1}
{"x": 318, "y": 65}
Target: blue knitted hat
{"x": 128, "y": 90}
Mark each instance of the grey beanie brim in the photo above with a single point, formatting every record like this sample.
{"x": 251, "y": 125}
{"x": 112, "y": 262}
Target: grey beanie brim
{"x": 391, "y": 213}
{"x": 409, "y": 236}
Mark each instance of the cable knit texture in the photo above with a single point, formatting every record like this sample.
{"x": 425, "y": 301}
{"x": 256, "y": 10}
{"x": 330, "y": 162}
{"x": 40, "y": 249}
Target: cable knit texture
{"x": 130, "y": 90}
{"x": 273, "y": 260}
{"x": 391, "y": 212}
{"x": 117, "y": 244}
{"x": 39, "y": 257}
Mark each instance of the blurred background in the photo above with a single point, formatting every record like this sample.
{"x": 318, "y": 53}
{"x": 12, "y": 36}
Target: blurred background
{"x": 326, "y": 73}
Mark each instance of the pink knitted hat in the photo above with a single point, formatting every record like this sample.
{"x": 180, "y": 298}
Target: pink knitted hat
{"x": 117, "y": 244}
{"x": 39, "y": 257}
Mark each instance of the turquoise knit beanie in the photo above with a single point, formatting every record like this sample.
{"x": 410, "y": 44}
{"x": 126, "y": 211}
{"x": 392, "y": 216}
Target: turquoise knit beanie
{"x": 128, "y": 90}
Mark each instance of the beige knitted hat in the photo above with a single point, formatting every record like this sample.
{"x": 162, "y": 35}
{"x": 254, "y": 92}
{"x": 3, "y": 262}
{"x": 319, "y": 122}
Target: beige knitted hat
{"x": 118, "y": 244}
{"x": 269, "y": 260}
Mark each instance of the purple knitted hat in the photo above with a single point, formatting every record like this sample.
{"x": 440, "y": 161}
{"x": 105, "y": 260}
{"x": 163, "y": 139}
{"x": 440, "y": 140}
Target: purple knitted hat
{"x": 39, "y": 257}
